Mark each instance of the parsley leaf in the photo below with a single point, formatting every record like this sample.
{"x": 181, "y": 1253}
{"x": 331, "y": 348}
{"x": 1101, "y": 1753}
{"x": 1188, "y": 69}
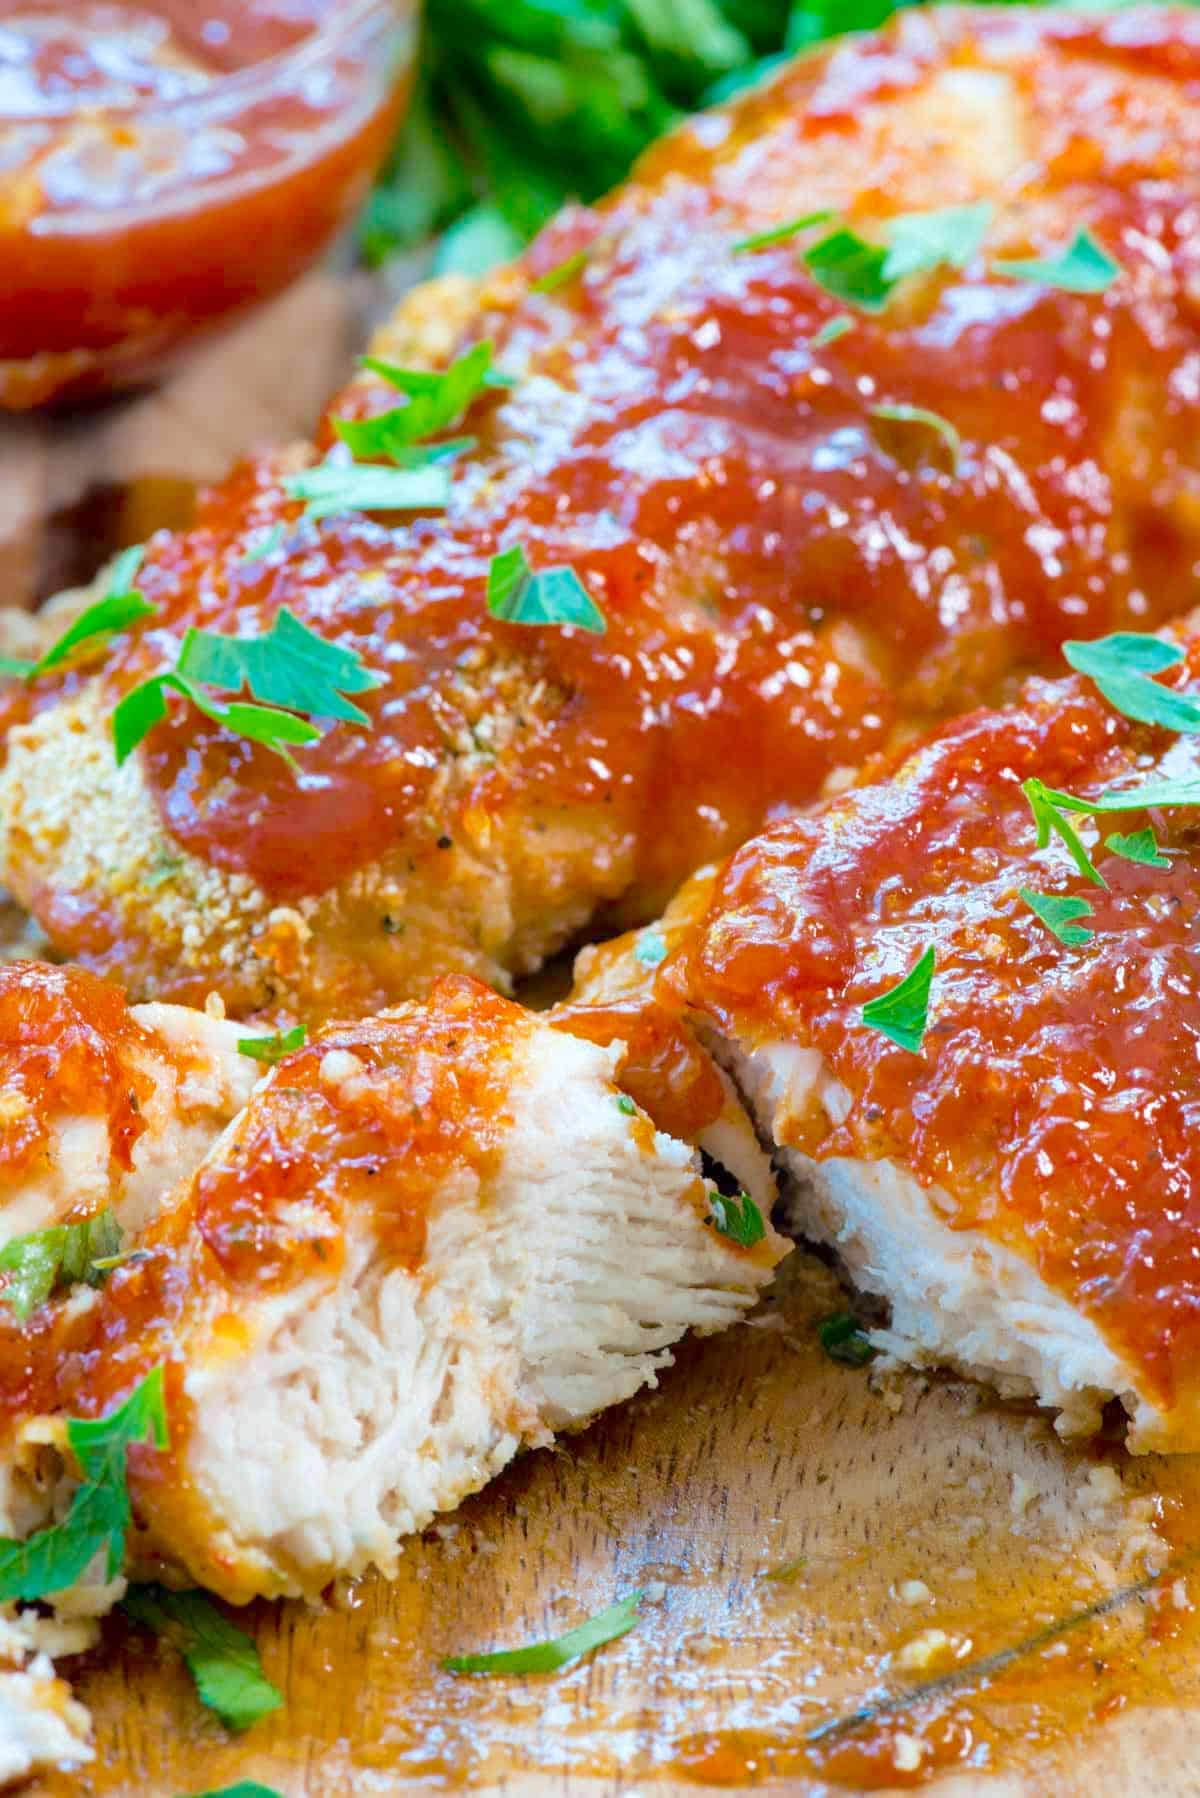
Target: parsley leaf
{"x": 626, "y": 1106}
{"x": 933, "y": 421}
{"x": 740, "y": 1218}
{"x": 245, "y": 1788}
{"x": 843, "y": 1339}
{"x": 919, "y": 241}
{"x": 552, "y": 596}
{"x": 55, "y": 1557}
{"x": 273, "y": 1048}
{"x": 831, "y": 330}
{"x": 1057, "y": 914}
{"x": 902, "y": 1013}
{"x": 365, "y": 487}
{"x": 1048, "y": 807}
{"x": 289, "y": 668}
{"x": 1083, "y": 267}
{"x": 436, "y": 400}
{"x": 1122, "y": 666}
{"x": 222, "y": 1659}
{"x": 95, "y": 627}
{"x": 651, "y": 947}
{"x": 562, "y": 272}
{"x": 1141, "y": 846}
{"x": 62, "y": 1255}
{"x": 761, "y": 240}
{"x": 850, "y": 268}
{"x": 548, "y": 1657}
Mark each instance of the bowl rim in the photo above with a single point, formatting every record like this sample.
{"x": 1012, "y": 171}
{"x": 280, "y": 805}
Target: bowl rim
{"x": 229, "y": 93}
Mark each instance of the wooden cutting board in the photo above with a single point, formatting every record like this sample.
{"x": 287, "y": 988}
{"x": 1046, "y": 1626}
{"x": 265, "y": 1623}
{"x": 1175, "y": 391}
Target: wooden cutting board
{"x": 820, "y": 1551}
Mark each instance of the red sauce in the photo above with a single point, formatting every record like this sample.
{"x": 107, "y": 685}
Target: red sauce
{"x": 721, "y": 489}
{"x": 1056, "y": 1094}
{"x": 66, "y": 1047}
{"x": 166, "y": 164}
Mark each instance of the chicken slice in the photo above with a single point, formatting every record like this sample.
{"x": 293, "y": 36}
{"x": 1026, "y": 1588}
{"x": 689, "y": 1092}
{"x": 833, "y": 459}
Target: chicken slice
{"x": 1024, "y": 1189}
{"x": 793, "y": 561}
{"x": 41, "y": 1726}
{"x": 103, "y": 1104}
{"x": 430, "y": 1240}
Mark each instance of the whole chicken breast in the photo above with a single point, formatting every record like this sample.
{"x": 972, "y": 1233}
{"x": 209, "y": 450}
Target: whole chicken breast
{"x": 1013, "y": 1165}
{"x": 430, "y": 1240}
{"x": 793, "y": 561}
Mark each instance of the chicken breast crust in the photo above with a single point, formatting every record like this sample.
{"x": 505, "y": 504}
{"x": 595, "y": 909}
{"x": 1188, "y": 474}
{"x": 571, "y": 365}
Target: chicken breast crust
{"x": 430, "y": 1240}
{"x": 1023, "y": 1187}
{"x": 794, "y": 561}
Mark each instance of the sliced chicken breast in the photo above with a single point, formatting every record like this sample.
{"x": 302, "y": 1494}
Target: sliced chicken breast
{"x": 103, "y": 1104}
{"x": 1015, "y": 1171}
{"x": 430, "y": 1240}
{"x": 802, "y": 542}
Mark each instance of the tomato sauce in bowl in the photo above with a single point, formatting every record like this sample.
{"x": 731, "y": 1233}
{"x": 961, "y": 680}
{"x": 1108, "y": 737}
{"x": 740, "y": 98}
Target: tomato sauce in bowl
{"x": 164, "y": 165}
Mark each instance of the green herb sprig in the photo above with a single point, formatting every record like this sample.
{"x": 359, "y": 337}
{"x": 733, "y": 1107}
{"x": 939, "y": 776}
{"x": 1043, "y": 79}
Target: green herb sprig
{"x": 1122, "y": 667}
{"x": 902, "y": 1013}
{"x": 738, "y": 1218}
{"x": 289, "y": 669}
{"x": 61, "y": 1255}
{"x": 549, "y": 1657}
{"x": 98, "y": 1520}
{"x": 91, "y": 633}
{"x": 551, "y": 596}
{"x": 222, "y": 1659}
{"x": 844, "y": 1339}
{"x": 273, "y": 1048}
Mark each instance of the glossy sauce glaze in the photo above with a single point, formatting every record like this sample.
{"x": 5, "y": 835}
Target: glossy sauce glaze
{"x": 1057, "y": 1089}
{"x": 68, "y": 1047}
{"x": 165, "y": 164}
{"x": 786, "y": 579}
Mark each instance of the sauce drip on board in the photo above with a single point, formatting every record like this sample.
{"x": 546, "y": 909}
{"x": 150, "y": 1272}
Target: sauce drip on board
{"x": 166, "y": 164}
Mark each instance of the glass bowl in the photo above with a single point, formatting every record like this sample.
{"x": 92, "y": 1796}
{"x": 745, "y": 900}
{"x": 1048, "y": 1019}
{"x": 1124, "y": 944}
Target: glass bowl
{"x": 164, "y": 166}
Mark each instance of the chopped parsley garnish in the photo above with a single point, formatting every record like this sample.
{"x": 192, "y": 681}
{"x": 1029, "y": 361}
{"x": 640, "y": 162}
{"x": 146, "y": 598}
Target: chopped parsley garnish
{"x": 1139, "y": 846}
{"x": 96, "y": 626}
{"x": 436, "y": 400}
{"x": 366, "y": 487}
{"x": 651, "y": 947}
{"x": 561, "y": 273}
{"x": 902, "y": 1013}
{"x": 831, "y": 330}
{"x": 761, "y": 240}
{"x": 1122, "y": 666}
{"x": 273, "y": 1048}
{"x": 1048, "y": 808}
{"x": 787, "y": 1571}
{"x": 551, "y": 596}
{"x": 626, "y": 1106}
{"x": 1059, "y": 915}
{"x": 245, "y": 1788}
{"x": 548, "y": 1657}
{"x": 62, "y": 1255}
{"x": 739, "y": 1218}
{"x": 56, "y": 1557}
{"x": 932, "y": 421}
{"x": 1083, "y": 267}
{"x": 844, "y": 1339}
{"x": 222, "y": 1659}
{"x": 289, "y": 669}
{"x": 951, "y": 236}
{"x": 850, "y": 268}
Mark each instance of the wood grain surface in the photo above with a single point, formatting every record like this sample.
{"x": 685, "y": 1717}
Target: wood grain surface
{"x": 774, "y": 1507}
